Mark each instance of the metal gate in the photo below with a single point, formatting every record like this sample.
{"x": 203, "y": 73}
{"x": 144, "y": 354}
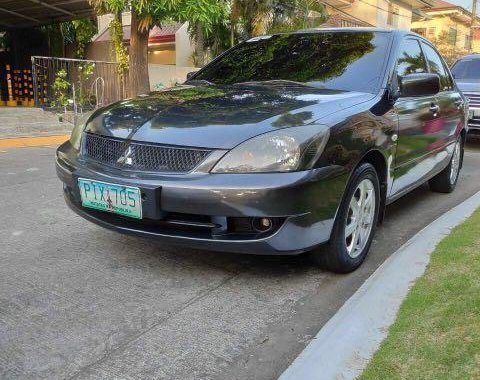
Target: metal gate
{"x": 76, "y": 85}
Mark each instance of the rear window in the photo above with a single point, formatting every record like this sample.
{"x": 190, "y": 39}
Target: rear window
{"x": 467, "y": 69}
{"x": 350, "y": 61}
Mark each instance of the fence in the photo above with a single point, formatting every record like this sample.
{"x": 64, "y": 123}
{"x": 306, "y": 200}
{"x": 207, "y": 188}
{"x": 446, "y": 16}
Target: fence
{"x": 76, "y": 85}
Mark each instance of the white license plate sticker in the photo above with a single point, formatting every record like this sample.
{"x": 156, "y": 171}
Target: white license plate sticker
{"x": 118, "y": 199}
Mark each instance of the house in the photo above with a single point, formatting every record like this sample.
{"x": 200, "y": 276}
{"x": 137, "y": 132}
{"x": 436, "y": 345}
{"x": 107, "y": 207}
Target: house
{"x": 393, "y": 14}
{"x": 170, "y": 49}
{"x": 447, "y": 19}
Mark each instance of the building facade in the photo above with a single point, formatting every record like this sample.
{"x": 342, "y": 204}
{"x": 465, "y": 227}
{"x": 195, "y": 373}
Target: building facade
{"x": 447, "y": 21}
{"x": 379, "y": 13}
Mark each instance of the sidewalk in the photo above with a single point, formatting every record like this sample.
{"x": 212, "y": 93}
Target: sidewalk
{"x": 18, "y": 122}
{"x": 345, "y": 345}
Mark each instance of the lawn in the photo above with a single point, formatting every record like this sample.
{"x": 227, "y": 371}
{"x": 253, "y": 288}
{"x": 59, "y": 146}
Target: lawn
{"x": 437, "y": 331}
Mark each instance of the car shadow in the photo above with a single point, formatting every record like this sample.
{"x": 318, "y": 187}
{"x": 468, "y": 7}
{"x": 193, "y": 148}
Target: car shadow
{"x": 395, "y": 230}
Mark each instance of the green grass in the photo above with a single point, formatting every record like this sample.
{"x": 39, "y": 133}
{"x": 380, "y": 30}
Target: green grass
{"x": 437, "y": 331}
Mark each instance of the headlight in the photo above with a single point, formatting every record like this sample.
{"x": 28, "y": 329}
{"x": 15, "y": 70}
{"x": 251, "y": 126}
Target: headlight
{"x": 76, "y": 136}
{"x": 284, "y": 150}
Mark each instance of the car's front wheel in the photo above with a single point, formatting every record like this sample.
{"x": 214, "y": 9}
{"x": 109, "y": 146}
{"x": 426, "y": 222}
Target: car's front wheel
{"x": 355, "y": 223}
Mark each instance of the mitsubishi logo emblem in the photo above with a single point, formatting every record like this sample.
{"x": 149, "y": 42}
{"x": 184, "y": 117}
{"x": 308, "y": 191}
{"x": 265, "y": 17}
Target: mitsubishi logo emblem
{"x": 126, "y": 157}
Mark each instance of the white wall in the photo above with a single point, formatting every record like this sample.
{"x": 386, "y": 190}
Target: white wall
{"x": 167, "y": 75}
{"x": 184, "y": 47}
{"x": 404, "y": 18}
{"x": 103, "y": 21}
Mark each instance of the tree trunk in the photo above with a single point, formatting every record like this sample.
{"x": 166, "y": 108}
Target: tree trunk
{"x": 200, "y": 45}
{"x": 232, "y": 33}
{"x": 138, "y": 71}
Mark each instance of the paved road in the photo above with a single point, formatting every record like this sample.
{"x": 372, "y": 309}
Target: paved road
{"x": 78, "y": 301}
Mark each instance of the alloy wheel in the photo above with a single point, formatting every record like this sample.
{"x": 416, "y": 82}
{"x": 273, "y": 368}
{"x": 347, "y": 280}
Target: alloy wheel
{"x": 360, "y": 218}
{"x": 455, "y": 164}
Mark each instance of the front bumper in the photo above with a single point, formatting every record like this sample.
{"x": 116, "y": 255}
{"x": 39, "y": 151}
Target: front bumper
{"x": 303, "y": 204}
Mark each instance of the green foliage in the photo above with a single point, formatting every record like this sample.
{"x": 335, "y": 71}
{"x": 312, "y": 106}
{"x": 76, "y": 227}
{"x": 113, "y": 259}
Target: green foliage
{"x": 85, "y": 29}
{"x": 83, "y": 95}
{"x": 253, "y": 18}
{"x": 61, "y": 89}
{"x": 121, "y": 54}
{"x": 294, "y": 15}
{"x": 204, "y": 12}
{"x": 5, "y": 40}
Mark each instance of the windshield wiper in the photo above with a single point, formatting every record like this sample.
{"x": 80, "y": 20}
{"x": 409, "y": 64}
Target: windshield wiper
{"x": 274, "y": 81}
{"x": 200, "y": 81}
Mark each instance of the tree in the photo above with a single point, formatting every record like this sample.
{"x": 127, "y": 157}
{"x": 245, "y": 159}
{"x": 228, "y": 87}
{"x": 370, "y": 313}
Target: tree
{"x": 449, "y": 51}
{"x": 145, "y": 14}
{"x": 202, "y": 16}
{"x": 257, "y": 17}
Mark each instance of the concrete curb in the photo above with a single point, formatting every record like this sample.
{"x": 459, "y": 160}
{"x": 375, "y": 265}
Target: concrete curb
{"x": 20, "y": 142}
{"x": 345, "y": 344}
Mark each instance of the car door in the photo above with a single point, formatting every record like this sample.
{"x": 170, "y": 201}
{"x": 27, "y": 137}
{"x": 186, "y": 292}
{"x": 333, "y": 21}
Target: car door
{"x": 449, "y": 99}
{"x": 416, "y": 116}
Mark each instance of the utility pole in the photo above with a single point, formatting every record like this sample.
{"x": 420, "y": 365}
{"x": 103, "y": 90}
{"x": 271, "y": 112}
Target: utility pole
{"x": 472, "y": 23}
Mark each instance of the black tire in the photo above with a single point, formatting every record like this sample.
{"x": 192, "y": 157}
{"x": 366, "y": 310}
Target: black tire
{"x": 334, "y": 255}
{"x": 442, "y": 182}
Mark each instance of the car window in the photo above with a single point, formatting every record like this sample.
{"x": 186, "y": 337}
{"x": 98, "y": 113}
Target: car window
{"x": 467, "y": 69}
{"x": 411, "y": 59}
{"x": 437, "y": 66}
{"x": 351, "y": 61}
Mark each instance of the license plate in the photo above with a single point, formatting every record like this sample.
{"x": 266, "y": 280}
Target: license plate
{"x": 119, "y": 199}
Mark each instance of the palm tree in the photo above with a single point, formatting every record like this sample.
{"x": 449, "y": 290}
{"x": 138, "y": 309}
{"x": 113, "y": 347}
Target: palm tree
{"x": 263, "y": 16}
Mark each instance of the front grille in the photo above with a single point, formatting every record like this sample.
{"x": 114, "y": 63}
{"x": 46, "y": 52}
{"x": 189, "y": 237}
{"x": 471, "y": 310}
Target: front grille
{"x": 141, "y": 156}
{"x": 473, "y": 99}
{"x": 474, "y": 122}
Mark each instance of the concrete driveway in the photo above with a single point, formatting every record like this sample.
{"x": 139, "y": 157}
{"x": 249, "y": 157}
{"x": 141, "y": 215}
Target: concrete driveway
{"x": 78, "y": 301}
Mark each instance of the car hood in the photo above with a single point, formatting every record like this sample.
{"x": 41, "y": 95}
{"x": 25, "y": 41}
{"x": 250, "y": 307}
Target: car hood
{"x": 470, "y": 86}
{"x": 218, "y": 116}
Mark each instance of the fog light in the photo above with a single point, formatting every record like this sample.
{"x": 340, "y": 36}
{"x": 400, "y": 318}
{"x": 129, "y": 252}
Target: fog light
{"x": 262, "y": 224}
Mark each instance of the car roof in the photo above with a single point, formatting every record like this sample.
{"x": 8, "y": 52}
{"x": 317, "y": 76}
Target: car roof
{"x": 470, "y": 56}
{"x": 397, "y": 32}
{"x": 356, "y": 30}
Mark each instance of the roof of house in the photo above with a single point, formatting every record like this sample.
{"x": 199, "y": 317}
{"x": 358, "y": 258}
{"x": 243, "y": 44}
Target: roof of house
{"x": 440, "y": 5}
{"x": 342, "y": 20}
{"x": 457, "y": 11}
{"x": 157, "y": 35}
{"x": 26, "y": 13}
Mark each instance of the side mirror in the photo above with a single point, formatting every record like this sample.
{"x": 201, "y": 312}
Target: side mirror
{"x": 191, "y": 74}
{"x": 421, "y": 84}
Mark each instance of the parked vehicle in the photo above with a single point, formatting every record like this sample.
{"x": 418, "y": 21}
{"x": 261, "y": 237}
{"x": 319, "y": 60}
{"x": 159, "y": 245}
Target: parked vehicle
{"x": 466, "y": 72}
{"x": 284, "y": 144}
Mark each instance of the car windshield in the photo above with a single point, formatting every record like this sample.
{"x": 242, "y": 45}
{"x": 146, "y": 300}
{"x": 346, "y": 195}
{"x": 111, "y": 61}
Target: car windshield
{"x": 349, "y": 61}
{"x": 467, "y": 69}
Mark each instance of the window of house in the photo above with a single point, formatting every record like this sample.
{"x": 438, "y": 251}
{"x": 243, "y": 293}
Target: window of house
{"x": 421, "y": 31}
{"x": 431, "y": 33}
{"x": 393, "y": 15}
{"x": 452, "y": 36}
{"x": 467, "y": 42}
{"x": 437, "y": 66}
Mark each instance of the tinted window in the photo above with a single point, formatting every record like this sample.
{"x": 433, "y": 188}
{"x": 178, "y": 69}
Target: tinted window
{"x": 467, "y": 69}
{"x": 436, "y": 66}
{"x": 333, "y": 60}
{"x": 410, "y": 59}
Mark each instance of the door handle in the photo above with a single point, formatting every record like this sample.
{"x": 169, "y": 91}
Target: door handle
{"x": 434, "y": 108}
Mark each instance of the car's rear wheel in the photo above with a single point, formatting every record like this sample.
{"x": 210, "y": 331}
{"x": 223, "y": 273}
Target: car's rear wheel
{"x": 446, "y": 180}
{"x": 354, "y": 225}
